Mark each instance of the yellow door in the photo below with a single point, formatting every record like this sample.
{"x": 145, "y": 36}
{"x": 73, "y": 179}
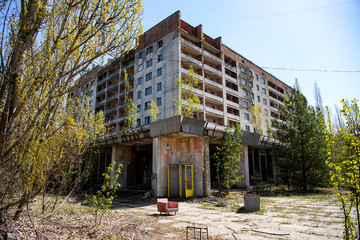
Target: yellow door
{"x": 189, "y": 183}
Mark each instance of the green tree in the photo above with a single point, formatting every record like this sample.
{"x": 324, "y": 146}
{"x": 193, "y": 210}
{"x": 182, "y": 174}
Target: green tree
{"x": 44, "y": 46}
{"x": 302, "y": 143}
{"x": 227, "y": 158}
{"x": 154, "y": 111}
{"x": 256, "y": 119}
{"x": 131, "y": 114}
{"x": 187, "y": 103}
{"x": 343, "y": 150}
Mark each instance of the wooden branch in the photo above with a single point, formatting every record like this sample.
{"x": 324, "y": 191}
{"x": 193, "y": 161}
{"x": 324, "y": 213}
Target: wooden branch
{"x": 275, "y": 234}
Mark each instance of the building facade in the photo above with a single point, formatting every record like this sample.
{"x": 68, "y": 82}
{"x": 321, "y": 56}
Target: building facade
{"x": 161, "y": 154}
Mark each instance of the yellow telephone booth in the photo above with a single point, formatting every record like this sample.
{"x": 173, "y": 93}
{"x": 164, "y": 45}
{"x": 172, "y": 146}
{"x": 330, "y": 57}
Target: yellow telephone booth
{"x": 180, "y": 180}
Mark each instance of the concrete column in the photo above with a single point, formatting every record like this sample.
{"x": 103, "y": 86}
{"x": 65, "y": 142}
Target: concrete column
{"x": 206, "y": 174}
{"x": 246, "y": 165}
{"x": 155, "y": 170}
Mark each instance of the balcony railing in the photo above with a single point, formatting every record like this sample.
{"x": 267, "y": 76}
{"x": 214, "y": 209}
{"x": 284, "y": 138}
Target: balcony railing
{"x": 213, "y": 83}
{"x": 102, "y": 81}
{"x": 185, "y": 71}
{"x": 233, "y": 117}
{"x": 212, "y": 56}
{"x": 191, "y": 59}
{"x": 112, "y": 75}
{"x": 231, "y": 79}
{"x": 232, "y": 104}
{"x": 112, "y": 97}
{"x": 193, "y": 46}
{"x": 214, "y": 111}
{"x": 113, "y": 86}
{"x": 213, "y": 97}
{"x": 102, "y": 91}
{"x": 100, "y": 103}
{"x": 109, "y": 110}
{"x": 232, "y": 91}
{"x": 213, "y": 70}
{"x": 232, "y": 68}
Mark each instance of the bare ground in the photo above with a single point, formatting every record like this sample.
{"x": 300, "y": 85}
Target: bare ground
{"x": 311, "y": 216}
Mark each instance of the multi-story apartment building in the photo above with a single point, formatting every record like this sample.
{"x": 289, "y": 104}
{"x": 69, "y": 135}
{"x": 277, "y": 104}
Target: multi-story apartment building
{"x": 173, "y": 155}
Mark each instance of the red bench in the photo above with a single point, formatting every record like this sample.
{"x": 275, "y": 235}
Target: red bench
{"x": 165, "y": 206}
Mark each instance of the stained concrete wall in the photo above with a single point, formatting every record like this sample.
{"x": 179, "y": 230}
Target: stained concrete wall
{"x": 244, "y": 169}
{"x": 184, "y": 150}
{"x": 122, "y": 155}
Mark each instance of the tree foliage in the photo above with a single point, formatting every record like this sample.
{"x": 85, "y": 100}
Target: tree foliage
{"x": 256, "y": 119}
{"x": 131, "y": 114}
{"x": 302, "y": 143}
{"x": 187, "y": 103}
{"x": 154, "y": 111}
{"x": 343, "y": 150}
{"x": 227, "y": 158}
{"x": 44, "y": 46}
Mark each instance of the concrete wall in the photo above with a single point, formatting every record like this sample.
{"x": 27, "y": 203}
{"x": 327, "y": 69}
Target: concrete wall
{"x": 122, "y": 155}
{"x": 185, "y": 150}
{"x": 244, "y": 169}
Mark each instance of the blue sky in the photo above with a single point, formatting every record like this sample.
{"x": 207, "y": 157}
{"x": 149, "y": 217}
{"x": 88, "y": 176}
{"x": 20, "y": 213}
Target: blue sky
{"x": 290, "y": 34}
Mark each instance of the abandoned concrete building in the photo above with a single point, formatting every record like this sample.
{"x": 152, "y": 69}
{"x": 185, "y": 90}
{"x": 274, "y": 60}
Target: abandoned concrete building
{"x": 172, "y": 156}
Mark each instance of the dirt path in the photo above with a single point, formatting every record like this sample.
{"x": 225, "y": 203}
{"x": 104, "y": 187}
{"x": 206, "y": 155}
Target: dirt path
{"x": 309, "y": 217}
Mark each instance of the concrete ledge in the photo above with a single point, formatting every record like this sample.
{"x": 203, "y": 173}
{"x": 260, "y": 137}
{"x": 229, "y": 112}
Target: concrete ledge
{"x": 177, "y": 124}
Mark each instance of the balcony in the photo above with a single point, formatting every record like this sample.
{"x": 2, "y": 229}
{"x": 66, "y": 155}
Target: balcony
{"x": 214, "y": 97}
{"x": 185, "y": 71}
{"x": 195, "y": 90}
{"x": 113, "y": 86}
{"x": 213, "y": 83}
{"x": 112, "y": 97}
{"x": 191, "y": 45}
{"x": 214, "y": 111}
{"x": 113, "y": 75}
{"x": 212, "y": 126}
{"x": 101, "y": 92}
{"x": 102, "y": 81}
{"x": 191, "y": 59}
{"x": 232, "y": 104}
{"x": 129, "y": 65}
{"x": 233, "y": 117}
{"x": 100, "y": 103}
{"x": 212, "y": 56}
{"x": 231, "y": 79}
{"x": 113, "y": 121}
{"x": 232, "y": 91}
{"x": 110, "y": 110}
{"x": 213, "y": 70}
{"x": 232, "y": 68}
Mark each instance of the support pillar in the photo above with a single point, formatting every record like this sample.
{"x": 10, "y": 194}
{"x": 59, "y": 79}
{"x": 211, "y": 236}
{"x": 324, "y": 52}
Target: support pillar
{"x": 206, "y": 175}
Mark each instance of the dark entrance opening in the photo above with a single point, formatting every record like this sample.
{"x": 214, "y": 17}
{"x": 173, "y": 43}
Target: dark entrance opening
{"x": 140, "y": 169}
{"x": 261, "y": 167}
{"x": 213, "y": 173}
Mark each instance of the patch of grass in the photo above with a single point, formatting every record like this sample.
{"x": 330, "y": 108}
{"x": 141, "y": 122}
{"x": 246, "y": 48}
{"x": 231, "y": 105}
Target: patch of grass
{"x": 243, "y": 210}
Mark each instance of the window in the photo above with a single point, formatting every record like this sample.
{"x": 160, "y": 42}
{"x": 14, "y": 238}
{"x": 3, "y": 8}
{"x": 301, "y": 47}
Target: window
{"x": 147, "y": 120}
{"x": 139, "y": 94}
{"x": 262, "y": 80}
{"x": 138, "y": 121}
{"x": 140, "y": 68}
{"x": 159, "y": 86}
{"x": 139, "y": 80}
{"x": 265, "y": 101}
{"x": 92, "y": 83}
{"x": 242, "y": 69}
{"x": 90, "y": 103}
{"x": 257, "y": 77}
{"x": 213, "y": 120}
{"x": 251, "y": 84}
{"x": 266, "y": 112}
{"x": 141, "y": 54}
{"x": 252, "y": 96}
{"x": 246, "y": 104}
{"x": 245, "y": 92}
{"x": 91, "y": 93}
{"x": 138, "y": 108}
{"x": 250, "y": 73}
{"x": 148, "y": 91}
{"x": 149, "y": 63}
{"x": 258, "y": 98}
{"x": 247, "y": 128}
{"x": 148, "y": 76}
{"x": 159, "y": 72}
{"x": 158, "y": 101}
{"x": 149, "y": 50}
{"x": 257, "y": 87}
{"x": 264, "y": 91}
{"x": 147, "y": 105}
{"x": 159, "y": 57}
{"x": 243, "y": 80}
{"x": 246, "y": 116}
{"x": 160, "y": 44}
